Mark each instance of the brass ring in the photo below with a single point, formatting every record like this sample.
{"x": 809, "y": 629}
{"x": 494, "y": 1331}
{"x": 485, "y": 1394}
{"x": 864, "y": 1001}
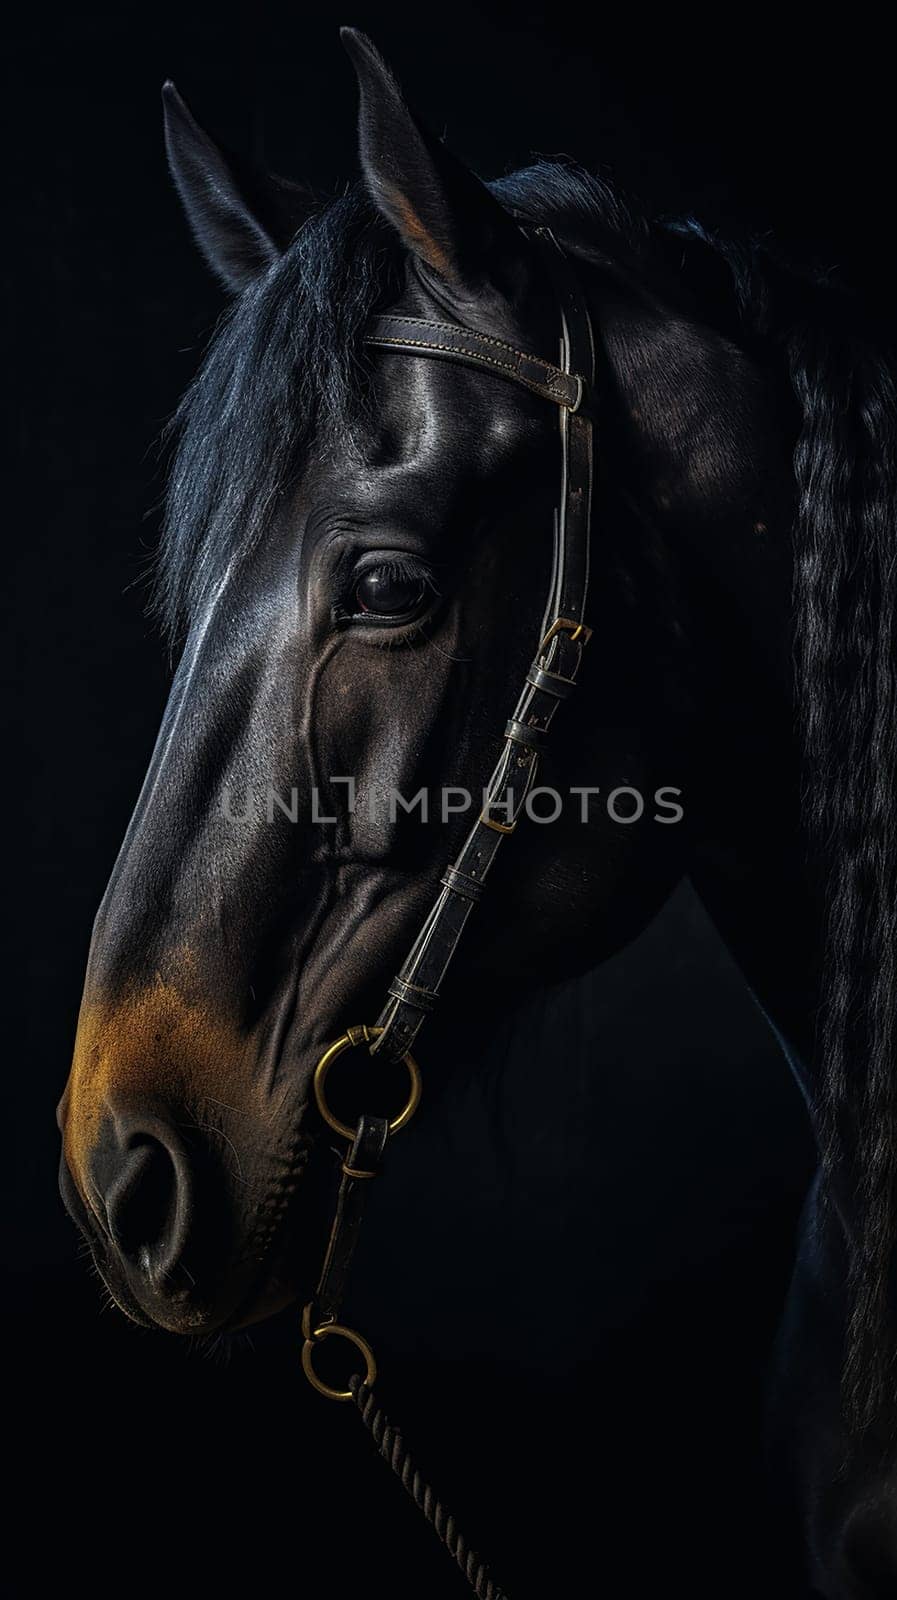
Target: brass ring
{"x": 370, "y": 1365}
{"x": 348, "y": 1041}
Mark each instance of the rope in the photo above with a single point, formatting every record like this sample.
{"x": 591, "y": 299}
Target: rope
{"x": 392, "y": 1448}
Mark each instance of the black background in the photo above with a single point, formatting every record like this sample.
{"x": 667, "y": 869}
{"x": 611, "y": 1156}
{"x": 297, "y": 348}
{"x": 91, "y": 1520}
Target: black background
{"x": 153, "y": 1467}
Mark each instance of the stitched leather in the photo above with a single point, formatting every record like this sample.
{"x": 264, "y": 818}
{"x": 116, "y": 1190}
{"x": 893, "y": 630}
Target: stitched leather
{"x": 449, "y": 341}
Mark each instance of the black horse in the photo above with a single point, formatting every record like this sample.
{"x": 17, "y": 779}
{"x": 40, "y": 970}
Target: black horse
{"x": 354, "y": 568}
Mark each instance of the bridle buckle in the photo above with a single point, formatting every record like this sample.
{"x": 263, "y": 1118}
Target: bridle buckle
{"x": 579, "y": 632}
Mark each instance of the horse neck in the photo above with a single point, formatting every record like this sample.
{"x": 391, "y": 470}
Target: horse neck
{"x": 706, "y": 433}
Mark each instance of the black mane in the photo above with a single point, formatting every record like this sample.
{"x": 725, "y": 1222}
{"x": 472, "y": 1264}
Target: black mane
{"x": 282, "y": 371}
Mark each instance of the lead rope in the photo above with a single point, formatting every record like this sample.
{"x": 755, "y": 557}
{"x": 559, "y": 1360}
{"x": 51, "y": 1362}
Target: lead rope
{"x": 391, "y": 1446}
{"x": 320, "y": 1319}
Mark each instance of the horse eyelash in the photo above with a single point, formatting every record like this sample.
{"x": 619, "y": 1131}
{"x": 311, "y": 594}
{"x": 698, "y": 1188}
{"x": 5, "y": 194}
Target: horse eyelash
{"x": 396, "y": 566}
{"x": 400, "y": 567}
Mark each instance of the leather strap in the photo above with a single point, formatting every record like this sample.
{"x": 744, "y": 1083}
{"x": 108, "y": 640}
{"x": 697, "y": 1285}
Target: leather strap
{"x": 360, "y": 1166}
{"x": 449, "y": 341}
{"x": 552, "y": 676}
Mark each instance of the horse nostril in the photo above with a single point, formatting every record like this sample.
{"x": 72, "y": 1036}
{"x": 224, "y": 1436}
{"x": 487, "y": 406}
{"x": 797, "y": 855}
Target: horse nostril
{"x": 140, "y": 1202}
{"x": 142, "y": 1180}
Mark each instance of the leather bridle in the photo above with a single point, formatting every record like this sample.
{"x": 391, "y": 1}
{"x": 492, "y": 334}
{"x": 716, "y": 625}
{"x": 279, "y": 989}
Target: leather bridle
{"x": 414, "y": 993}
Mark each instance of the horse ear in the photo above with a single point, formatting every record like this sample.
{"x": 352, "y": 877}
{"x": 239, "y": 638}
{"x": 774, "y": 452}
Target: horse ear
{"x": 443, "y": 213}
{"x": 242, "y": 219}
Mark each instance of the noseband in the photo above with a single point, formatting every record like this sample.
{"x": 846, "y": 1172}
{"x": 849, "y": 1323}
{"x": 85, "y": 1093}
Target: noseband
{"x": 414, "y": 993}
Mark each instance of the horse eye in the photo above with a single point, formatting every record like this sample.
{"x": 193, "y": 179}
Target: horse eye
{"x": 385, "y": 592}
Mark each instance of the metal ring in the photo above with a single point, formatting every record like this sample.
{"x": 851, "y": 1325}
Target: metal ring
{"x": 348, "y": 1041}
{"x": 370, "y": 1365}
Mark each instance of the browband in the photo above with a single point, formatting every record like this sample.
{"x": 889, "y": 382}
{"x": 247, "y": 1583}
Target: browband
{"x": 552, "y": 675}
{"x": 449, "y": 340}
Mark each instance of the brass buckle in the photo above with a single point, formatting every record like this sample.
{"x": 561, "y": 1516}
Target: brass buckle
{"x": 579, "y": 633}
{"x": 497, "y": 827}
{"x": 313, "y": 1336}
{"x": 349, "y": 1041}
